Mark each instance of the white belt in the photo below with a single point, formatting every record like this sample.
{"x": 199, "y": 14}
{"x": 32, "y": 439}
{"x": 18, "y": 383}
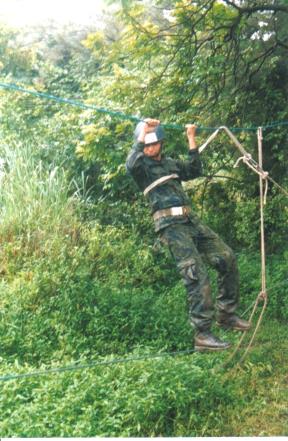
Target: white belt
{"x": 159, "y": 182}
{"x": 173, "y": 211}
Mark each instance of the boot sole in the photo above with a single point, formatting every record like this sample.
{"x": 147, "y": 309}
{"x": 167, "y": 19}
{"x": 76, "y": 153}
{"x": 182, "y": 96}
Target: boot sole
{"x": 232, "y": 328}
{"x": 208, "y": 348}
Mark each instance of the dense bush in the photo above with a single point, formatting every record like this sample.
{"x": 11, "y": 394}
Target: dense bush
{"x": 179, "y": 396}
{"x": 168, "y": 397}
{"x": 102, "y": 290}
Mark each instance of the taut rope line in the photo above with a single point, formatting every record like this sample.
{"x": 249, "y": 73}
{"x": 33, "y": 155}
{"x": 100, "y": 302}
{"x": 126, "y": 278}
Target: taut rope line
{"x": 118, "y": 114}
{"x": 89, "y": 365}
{"x": 93, "y": 364}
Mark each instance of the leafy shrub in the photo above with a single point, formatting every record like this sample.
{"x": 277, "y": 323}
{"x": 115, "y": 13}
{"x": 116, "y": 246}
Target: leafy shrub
{"x": 153, "y": 398}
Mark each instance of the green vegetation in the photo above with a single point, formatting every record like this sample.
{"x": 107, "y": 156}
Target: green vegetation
{"x": 82, "y": 276}
{"x": 180, "y": 396}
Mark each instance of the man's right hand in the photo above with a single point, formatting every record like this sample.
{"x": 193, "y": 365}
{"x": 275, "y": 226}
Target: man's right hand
{"x": 151, "y": 124}
{"x": 148, "y": 127}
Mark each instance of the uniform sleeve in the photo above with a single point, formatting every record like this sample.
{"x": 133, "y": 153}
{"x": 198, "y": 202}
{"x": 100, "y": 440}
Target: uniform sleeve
{"x": 133, "y": 160}
{"x": 191, "y": 168}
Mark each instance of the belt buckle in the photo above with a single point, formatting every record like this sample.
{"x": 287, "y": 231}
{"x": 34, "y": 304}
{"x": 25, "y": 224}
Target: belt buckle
{"x": 179, "y": 211}
{"x": 185, "y": 210}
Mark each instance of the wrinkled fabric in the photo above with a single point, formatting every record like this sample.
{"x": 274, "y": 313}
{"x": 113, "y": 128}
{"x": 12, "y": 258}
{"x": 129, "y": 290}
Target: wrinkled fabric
{"x": 190, "y": 241}
{"x": 145, "y": 170}
{"x": 193, "y": 245}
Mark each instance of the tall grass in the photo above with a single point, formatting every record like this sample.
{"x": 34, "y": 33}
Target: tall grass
{"x": 34, "y": 196}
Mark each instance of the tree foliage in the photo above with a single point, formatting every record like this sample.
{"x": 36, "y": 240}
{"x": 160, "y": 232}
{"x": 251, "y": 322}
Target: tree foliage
{"x": 212, "y": 63}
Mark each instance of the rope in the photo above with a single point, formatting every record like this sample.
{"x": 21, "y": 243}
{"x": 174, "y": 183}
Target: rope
{"x": 14, "y": 87}
{"x": 253, "y": 305}
{"x": 263, "y": 292}
{"x": 236, "y": 349}
{"x": 118, "y": 114}
{"x": 246, "y": 158}
{"x": 90, "y": 365}
{"x": 283, "y": 190}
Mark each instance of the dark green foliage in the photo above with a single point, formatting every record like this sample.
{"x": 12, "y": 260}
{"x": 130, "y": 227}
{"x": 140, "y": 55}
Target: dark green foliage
{"x": 169, "y": 397}
{"x": 106, "y": 291}
{"x": 182, "y": 396}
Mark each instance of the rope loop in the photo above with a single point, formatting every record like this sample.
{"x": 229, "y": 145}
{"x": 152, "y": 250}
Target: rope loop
{"x": 245, "y": 158}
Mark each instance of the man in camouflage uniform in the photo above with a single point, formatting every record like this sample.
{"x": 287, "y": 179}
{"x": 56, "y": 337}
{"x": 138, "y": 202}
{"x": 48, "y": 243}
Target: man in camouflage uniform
{"x": 190, "y": 241}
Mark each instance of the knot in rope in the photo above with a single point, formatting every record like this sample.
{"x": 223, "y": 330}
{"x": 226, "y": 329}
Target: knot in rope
{"x": 262, "y": 296}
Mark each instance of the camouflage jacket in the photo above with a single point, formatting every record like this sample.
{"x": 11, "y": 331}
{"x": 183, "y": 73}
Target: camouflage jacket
{"x": 145, "y": 171}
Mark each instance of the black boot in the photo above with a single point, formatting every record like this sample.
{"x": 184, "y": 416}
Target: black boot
{"x": 232, "y": 321}
{"x": 205, "y": 341}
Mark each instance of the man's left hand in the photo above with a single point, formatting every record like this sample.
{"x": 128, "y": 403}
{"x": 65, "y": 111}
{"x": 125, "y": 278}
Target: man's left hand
{"x": 191, "y": 130}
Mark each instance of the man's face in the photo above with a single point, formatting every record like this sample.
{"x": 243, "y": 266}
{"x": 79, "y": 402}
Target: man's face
{"x": 152, "y": 150}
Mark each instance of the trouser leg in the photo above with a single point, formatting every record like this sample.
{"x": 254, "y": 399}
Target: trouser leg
{"x": 179, "y": 239}
{"x": 228, "y": 282}
{"x": 220, "y": 256}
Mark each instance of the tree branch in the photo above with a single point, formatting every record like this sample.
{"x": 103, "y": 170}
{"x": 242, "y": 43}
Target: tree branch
{"x": 258, "y": 8}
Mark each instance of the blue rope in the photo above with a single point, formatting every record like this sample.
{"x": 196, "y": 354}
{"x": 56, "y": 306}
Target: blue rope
{"x": 48, "y": 96}
{"x": 122, "y": 115}
{"x": 93, "y": 364}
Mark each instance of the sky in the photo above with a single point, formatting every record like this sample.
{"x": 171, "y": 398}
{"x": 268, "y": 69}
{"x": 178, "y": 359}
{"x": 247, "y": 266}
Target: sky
{"x": 19, "y": 13}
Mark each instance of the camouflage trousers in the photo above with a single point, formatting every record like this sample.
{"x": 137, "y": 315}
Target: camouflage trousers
{"x": 193, "y": 245}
